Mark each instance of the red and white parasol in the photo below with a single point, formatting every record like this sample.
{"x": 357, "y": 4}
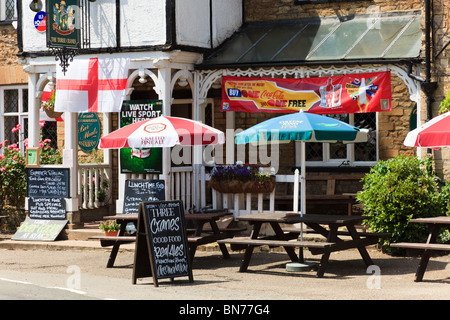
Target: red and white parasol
{"x": 162, "y": 132}
{"x": 433, "y": 134}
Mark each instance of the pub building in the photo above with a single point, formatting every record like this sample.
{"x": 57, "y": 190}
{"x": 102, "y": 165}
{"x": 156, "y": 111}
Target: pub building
{"x": 177, "y": 66}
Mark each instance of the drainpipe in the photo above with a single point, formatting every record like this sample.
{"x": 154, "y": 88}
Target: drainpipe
{"x": 428, "y": 86}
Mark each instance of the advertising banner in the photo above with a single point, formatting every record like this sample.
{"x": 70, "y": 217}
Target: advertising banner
{"x": 351, "y": 93}
{"x": 140, "y": 160}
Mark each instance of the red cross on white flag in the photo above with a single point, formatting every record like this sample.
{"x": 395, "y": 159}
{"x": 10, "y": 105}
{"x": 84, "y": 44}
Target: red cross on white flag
{"x": 92, "y": 85}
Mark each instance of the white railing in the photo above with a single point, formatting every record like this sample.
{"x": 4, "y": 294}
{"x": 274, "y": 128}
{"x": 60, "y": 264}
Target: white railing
{"x": 181, "y": 185}
{"x": 94, "y": 184}
{"x": 247, "y": 203}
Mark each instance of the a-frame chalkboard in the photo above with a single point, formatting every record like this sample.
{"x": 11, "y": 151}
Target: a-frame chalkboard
{"x": 161, "y": 243}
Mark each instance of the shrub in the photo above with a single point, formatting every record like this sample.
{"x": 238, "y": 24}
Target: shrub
{"x": 13, "y": 182}
{"x": 397, "y": 190}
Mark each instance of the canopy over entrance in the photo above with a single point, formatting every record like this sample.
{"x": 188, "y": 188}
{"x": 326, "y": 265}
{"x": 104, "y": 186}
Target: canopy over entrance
{"x": 383, "y": 36}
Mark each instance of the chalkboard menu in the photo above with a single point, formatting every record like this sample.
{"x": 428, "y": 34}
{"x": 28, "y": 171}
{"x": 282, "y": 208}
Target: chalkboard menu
{"x": 39, "y": 230}
{"x": 161, "y": 245}
{"x": 48, "y": 182}
{"x": 137, "y": 191}
{"x": 46, "y": 208}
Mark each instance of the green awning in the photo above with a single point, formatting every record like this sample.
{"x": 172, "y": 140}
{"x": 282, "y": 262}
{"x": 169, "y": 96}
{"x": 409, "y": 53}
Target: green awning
{"x": 362, "y": 37}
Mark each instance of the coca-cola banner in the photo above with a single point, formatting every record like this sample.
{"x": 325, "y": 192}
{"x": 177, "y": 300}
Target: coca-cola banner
{"x": 351, "y": 93}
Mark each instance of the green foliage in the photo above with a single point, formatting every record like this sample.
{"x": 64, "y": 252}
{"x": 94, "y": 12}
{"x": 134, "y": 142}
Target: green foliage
{"x": 397, "y": 190}
{"x": 445, "y": 104}
{"x": 109, "y": 226}
{"x": 13, "y": 182}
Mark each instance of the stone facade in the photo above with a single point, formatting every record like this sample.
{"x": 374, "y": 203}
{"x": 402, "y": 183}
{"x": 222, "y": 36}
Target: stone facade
{"x": 392, "y": 126}
{"x": 11, "y": 72}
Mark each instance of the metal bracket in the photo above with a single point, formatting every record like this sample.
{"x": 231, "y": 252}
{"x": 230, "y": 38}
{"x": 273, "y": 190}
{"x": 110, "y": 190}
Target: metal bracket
{"x": 64, "y": 55}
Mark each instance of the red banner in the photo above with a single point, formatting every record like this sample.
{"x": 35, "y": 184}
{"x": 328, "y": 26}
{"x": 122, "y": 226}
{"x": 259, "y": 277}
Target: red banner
{"x": 351, "y": 93}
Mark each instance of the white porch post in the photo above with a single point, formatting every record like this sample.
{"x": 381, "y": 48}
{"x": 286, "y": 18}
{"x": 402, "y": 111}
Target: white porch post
{"x": 33, "y": 111}
{"x": 164, "y": 79}
{"x": 70, "y": 160}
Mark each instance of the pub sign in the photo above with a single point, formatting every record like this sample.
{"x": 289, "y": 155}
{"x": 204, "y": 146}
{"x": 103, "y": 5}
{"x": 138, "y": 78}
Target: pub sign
{"x": 63, "y": 23}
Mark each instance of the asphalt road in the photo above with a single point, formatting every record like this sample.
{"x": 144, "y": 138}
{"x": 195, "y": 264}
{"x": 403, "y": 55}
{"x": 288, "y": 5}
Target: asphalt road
{"x": 47, "y": 274}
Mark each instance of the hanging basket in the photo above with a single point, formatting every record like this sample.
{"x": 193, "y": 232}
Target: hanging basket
{"x": 51, "y": 113}
{"x": 237, "y": 186}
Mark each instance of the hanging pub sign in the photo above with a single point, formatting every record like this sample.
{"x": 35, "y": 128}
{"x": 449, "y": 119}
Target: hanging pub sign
{"x": 63, "y": 20}
{"x": 350, "y": 93}
{"x": 145, "y": 160}
{"x": 88, "y": 131}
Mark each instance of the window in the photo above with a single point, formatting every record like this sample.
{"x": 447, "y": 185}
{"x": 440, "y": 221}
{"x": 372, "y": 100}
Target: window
{"x": 347, "y": 154}
{"x": 14, "y": 111}
{"x": 8, "y": 10}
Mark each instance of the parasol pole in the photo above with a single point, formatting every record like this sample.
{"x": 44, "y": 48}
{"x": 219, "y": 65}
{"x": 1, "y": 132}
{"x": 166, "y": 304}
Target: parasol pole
{"x": 301, "y": 265}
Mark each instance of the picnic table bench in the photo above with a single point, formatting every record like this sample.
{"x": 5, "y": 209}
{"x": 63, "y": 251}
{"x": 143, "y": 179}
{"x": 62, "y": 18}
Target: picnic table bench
{"x": 199, "y": 235}
{"x": 435, "y": 224}
{"x": 287, "y": 240}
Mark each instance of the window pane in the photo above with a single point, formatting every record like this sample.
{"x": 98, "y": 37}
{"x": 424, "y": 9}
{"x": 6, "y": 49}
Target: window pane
{"x": 9, "y": 8}
{"x": 366, "y": 151}
{"x": 314, "y": 151}
{"x": 10, "y": 123}
{"x": 49, "y": 132}
{"x": 339, "y": 150}
{"x": 239, "y": 45}
{"x": 25, "y": 100}
{"x": 271, "y": 44}
{"x": 340, "y": 41}
{"x": 377, "y": 39}
{"x": 309, "y": 38}
{"x": 11, "y": 101}
{"x": 408, "y": 44}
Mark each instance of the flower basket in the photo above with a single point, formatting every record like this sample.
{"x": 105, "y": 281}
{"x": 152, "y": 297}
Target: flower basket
{"x": 111, "y": 228}
{"x": 51, "y": 113}
{"x": 237, "y": 186}
{"x": 227, "y": 186}
{"x": 111, "y": 233}
{"x": 49, "y": 107}
{"x": 259, "y": 186}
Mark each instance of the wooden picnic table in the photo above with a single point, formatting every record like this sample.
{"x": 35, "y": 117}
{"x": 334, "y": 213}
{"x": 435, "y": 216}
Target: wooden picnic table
{"x": 289, "y": 241}
{"x": 200, "y": 235}
{"x": 435, "y": 224}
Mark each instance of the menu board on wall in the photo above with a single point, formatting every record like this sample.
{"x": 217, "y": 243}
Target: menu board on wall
{"x": 137, "y": 191}
{"x": 47, "y": 208}
{"x": 161, "y": 245}
{"x": 48, "y": 182}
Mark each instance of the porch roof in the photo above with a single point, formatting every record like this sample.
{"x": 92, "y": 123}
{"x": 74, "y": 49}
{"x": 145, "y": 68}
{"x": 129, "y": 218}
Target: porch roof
{"x": 385, "y": 37}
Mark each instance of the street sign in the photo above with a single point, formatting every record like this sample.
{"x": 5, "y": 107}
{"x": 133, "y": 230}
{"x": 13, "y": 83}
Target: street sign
{"x": 40, "y": 21}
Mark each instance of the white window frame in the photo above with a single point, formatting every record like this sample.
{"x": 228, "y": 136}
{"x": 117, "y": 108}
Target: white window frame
{"x": 328, "y": 162}
{"x": 3, "y": 10}
{"x": 20, "y": 113}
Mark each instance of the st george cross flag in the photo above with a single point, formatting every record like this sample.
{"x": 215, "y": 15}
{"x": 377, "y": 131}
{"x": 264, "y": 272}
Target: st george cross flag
{"x": 92, "y": 85}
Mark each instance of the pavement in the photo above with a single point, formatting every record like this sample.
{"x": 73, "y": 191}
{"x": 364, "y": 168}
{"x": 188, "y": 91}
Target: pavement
{"x": 346, "y": 277}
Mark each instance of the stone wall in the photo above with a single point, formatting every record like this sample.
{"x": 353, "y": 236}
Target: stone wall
{"x": 11, "y": 72}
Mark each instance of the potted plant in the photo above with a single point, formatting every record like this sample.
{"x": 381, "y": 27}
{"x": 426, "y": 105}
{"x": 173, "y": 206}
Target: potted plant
{"x": 241, "y": 178}
{"x": 111, "y": 228}
{"x": 49, "y": 107}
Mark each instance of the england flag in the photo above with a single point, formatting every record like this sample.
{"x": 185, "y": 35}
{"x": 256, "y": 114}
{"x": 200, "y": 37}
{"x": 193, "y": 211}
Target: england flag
{"x": 92, "y": 85}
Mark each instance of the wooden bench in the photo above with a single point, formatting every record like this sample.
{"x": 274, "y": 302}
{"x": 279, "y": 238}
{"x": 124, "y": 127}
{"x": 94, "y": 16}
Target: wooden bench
{"x": 422, "y": 246}
{"x": 107, "y": 241}
{"x": 277, "y": 243}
